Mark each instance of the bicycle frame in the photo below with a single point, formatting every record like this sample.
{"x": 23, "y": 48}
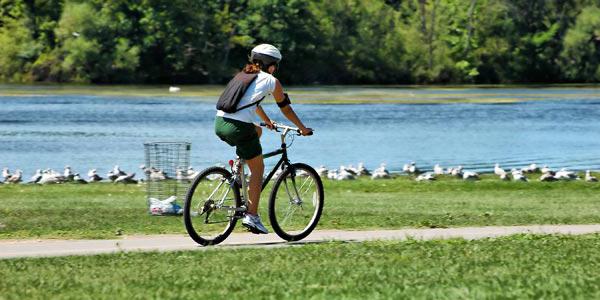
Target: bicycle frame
{"x": 284, "y": 160}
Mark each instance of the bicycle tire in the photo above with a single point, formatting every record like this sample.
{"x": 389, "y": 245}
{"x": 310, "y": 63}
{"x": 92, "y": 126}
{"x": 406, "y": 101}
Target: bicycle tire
{"x": 193, "y": 232}
{"x": 285, "y": 233}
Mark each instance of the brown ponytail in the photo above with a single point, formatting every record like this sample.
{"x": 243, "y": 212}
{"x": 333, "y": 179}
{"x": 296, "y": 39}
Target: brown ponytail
{"x": 252, "y": 68}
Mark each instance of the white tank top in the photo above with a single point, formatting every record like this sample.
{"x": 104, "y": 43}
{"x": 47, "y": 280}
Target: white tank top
{"x": 262, "y": 86}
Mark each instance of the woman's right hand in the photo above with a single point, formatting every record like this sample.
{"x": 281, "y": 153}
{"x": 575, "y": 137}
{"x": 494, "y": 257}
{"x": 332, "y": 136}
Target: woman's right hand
{"x": 270, "y": 124}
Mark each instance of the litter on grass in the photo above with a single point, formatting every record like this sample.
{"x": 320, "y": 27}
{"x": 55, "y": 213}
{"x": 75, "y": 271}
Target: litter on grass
{"x": 165, "y": 207}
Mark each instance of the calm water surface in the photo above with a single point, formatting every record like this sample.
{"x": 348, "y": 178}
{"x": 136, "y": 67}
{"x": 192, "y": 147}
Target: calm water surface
{"x": 99, "y": 132}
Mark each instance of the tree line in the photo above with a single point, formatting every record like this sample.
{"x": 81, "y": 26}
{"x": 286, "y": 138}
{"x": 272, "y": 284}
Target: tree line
{"x": 323, "y": 41}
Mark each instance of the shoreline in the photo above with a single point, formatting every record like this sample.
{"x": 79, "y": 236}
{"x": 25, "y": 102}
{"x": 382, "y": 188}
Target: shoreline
{"x": 329, "y": 94}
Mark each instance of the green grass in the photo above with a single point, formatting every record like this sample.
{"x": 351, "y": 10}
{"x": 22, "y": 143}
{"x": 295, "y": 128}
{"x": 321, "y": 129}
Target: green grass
{"x": 328, "y": 94}
{"x": 108, "y": 210}
{"x": 525, "y": 266}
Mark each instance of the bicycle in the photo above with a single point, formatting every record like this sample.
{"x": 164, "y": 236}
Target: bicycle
{"x": 218, "y": 198}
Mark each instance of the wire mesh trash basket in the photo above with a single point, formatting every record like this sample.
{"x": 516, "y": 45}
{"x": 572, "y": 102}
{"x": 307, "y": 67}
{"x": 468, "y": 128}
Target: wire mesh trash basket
{"x": 167, "y": 181}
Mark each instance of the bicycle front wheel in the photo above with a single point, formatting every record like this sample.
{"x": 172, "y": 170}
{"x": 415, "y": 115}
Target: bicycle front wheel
{"x": 209, "y": 211}
{"x": 296, "y": 202}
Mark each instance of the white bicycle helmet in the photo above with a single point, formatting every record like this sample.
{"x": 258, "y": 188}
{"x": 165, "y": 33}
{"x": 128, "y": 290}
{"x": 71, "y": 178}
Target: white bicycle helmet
{"x": 266, "y": 54}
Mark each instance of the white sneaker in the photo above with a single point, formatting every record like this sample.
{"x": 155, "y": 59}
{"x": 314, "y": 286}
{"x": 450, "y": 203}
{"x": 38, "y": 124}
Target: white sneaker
{"x": 253, "y": 223}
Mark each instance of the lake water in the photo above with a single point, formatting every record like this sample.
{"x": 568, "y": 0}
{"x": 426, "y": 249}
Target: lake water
{"x": 51, "y": 131}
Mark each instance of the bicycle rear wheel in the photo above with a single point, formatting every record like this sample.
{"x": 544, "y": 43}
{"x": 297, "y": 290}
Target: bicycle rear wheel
{"x": 296, "y": 202}
{"x": 209, "y": 211}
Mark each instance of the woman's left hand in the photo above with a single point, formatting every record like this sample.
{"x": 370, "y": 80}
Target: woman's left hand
{"x": 306, "y": 131}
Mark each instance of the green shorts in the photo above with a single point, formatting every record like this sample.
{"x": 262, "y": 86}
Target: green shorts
{"x": 240, "y": 134}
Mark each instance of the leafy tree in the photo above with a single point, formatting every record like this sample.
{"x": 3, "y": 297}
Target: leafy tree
{"x": 90, "y": 47}
{"x": 581, "y": 54}
{"x": 323, "y": 41}
{"x": 289, "y": 25}
{"x": 359, "y": 42}
{"x": 11, "y": 10}
{"x": 18, "y": 49}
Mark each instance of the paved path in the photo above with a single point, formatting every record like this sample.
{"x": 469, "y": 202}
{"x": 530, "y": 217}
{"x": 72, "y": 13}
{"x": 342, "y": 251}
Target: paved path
{"x": 36, "y": 248}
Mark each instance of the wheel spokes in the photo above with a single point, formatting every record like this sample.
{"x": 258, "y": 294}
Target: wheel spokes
{"x": 291, "y": 202}
{"x": 210, "y": 196}
{"x": 289, "y": 215}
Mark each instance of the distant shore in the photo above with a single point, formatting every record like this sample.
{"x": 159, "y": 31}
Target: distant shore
{"x": 330, "y": 94}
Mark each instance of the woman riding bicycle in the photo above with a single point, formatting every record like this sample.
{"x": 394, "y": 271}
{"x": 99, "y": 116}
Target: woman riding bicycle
{"x": 238, "y": 128}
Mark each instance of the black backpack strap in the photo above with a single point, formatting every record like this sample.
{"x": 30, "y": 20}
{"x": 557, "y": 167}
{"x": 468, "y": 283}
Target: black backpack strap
{"x": 257, "y": 102}
{"x": 234, "y": 92}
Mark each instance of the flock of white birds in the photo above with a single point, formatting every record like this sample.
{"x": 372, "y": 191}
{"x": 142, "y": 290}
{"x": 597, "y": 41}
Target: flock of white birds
{"x": 116, "y": 175}
{"x": 546, "y": 174}
{"x": 350, "y": 173}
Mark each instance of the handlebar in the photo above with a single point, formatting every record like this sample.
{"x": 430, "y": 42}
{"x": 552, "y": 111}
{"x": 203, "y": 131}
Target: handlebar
{"x": 277, "y": 126}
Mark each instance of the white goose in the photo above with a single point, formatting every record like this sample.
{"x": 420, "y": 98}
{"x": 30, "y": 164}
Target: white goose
{"x": 350, "y": 169}
{"x": 78, "y": 179}
{"x": 322, "y": 171}
{"x": 589, "y": 177}
{"x": 564, "y": 174}
{"x": 518, "y": 175}
{"x": 499, "y": 171}
{"x": 381, "y": 173}
{"x": 470, "y": 175}
{"x": 457, "y": 172}
{"x": 157, "y": 174}
{"x": 68, "y": 173}
{"x": 547, "y": 177}
{"x": 115, "y": 173}
{"x": 36, "y": 177}
{"x": 145, "y": 169}
{"x": 302, "y": 173}
{"x": 532, "y": 168}
{"x": 128, "y": 178}
{"x": 426, "y": 177}
{"x": 5, "y": 173}
{"x": 191, "y": 173}
{"x": 50, "y": 177}
{"x": 382, "y": 169}
{"x": 345, "y": 175}
{"x": 93, "y": 176}
{"x": 181, "y": 175}
{"x": 15, "y": 178}
{"x": 412, "y": 169}
{"x": 362, "y": 171}
{"x": 545, "y": 169}
{"x": 438, "y": 170}
{"x": 332, "y": 174}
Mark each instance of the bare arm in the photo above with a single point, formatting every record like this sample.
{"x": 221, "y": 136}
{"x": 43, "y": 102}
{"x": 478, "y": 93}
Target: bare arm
{"x": 263, "y": 116}
{"x": 288, "y": 111}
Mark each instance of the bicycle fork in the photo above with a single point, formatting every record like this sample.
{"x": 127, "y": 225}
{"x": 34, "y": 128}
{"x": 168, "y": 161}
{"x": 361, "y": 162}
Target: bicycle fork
{"x": 293, "y": 200}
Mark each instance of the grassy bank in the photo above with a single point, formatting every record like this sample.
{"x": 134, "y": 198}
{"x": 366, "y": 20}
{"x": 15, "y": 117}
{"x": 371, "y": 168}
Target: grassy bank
{"x": 107, "y": 210}
{"x": 512, "y": 267}
{"x": 331, "y": 94}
